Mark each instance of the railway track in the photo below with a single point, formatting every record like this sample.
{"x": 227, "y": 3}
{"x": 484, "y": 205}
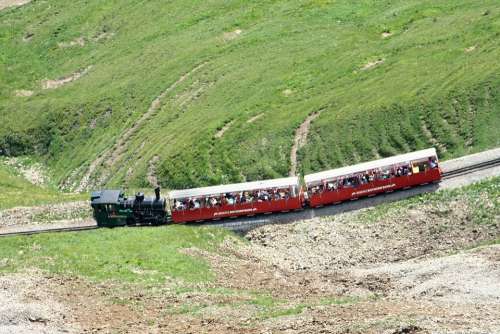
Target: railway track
{"x": 50, "y": 230}
{"x": 244, "y": 224}
{"x": 472, "y": 168}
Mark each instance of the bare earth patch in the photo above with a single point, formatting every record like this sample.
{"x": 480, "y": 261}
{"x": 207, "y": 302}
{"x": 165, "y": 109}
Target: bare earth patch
{"x": 23, "y": 93}
{"x": 103, "y": 35}
{"x": 26, "y": 306}
{"x": 12, "y": 3}
{"x": 428, "y": 134}
{"x": 372, "y": 64}
{"x": 229, "y": 36}
{"x": 34, "y": 173}
{"x": 300, "y": 140}
{"x": 221, "y": 132}
{"x": 467, "y": 277}
{"x": 53, "y": 84}
{"x": 470, "y": 48}
{"x": 256, "y": 117}
{"x": 191, "y": 94}
{"x": 80, "y": 41}
{"x": 152, "y": 179}
{"x": 343, "y": 242}
{"x": 51, "y": 213}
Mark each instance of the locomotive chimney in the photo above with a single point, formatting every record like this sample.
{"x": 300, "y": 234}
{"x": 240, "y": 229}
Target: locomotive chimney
{"x": 157, "y": 193}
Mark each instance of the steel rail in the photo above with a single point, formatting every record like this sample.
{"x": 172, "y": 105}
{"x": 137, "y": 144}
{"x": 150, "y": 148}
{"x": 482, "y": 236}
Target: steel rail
{"x": 246, "y": 223}
{"x": 50, "y": 230}
{"x": 471, "y": 169}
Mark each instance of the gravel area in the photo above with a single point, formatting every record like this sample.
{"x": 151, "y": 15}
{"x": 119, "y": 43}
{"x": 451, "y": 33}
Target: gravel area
{"x": 347, "y": 240}
{"x": 467, "y": 277}
{"x": 46, "y": 214}
{"x": 27, "y": 308}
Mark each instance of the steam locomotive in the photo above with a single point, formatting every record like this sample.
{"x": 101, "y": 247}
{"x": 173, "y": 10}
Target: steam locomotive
{"x": 112, "y": 208}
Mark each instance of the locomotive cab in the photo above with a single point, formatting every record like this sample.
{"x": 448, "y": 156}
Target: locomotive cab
{"x": 108, "y": 211}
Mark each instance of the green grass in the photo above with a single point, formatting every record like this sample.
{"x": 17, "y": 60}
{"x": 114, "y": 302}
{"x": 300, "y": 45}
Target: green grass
{"x": 266, "y": 305}
{"x": 483, "y": 197}
{"x": 315, "y": 48}
{"x": 17, "y": 191}
{"x": 137, "y": 255}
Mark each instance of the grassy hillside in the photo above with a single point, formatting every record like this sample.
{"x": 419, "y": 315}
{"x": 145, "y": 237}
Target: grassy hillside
{"x": 117, "y": 254}
{"x": 387, "y": 77}
{"x": 16, "y": 191}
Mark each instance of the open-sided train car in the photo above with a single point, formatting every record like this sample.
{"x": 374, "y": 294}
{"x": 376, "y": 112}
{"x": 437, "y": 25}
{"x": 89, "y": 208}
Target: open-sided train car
{"x": 370, "y": 178}
{"x": 233, "y": 200}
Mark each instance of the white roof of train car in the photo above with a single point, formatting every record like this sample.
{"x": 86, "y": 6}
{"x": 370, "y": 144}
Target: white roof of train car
{"x": 236, "y": 187}
{"x": 330, "y": 174}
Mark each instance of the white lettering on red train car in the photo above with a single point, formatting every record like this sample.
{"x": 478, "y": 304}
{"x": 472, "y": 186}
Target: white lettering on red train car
{"x": 361, "y": 192}
{"x": 221, "y": 213}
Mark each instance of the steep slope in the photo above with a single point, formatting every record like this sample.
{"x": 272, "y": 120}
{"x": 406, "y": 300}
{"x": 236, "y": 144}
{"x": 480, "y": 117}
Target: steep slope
{"x": 207, "y": 92}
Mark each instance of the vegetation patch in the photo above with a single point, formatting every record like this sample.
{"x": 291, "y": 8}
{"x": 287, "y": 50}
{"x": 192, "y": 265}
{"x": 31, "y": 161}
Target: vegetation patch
{"x": 482, "y": 198}
{"x": 284, "y": 59}
{"x": 138, "y": 255}
{"x": 15, "y": 190}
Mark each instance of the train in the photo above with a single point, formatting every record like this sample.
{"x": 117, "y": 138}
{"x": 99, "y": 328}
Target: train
{"x": 113, "y": 208}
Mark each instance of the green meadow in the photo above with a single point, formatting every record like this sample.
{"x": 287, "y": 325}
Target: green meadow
{"x": 15, "y": 190}
{"x": 386, "y": 77}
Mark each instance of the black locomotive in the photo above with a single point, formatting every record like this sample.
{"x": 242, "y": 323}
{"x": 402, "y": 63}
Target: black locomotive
{"x": 112, "y": 208}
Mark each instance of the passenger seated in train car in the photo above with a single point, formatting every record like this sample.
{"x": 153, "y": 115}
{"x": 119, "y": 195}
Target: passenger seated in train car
{"x": 214, "y": 202}
{"x": 196, "y": 203}
{"x": 284, "y": 194}
{"x": 262, "y": 195}
{"x": 229, "y": 199}
{"x": 433, "y": 162}
{"x": 276, "y": 195}
{"x": 331, "y": 186}
{"x": 180, "y": 205}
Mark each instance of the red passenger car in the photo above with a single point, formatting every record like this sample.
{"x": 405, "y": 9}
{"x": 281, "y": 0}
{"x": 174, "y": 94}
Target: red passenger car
{"x": 233, "y": 200}
{"x": 370, "y": 178}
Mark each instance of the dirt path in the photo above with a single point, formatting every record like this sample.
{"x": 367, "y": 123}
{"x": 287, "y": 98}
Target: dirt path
{"x": 372, "y": 64}
{"x": 23, "y": 93}
{"x": 221, "y": 132}
{"x": 152, "y": 178}
{"x": 300, "y": 140}
{"x": 12, "y": 3}
{"x": 80, "y": 41}
{"x": 256, "y": 117}
{"x": 428, "y": 134}
{"x": 53, "y": 84}
{"x": 113, "y": 154}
